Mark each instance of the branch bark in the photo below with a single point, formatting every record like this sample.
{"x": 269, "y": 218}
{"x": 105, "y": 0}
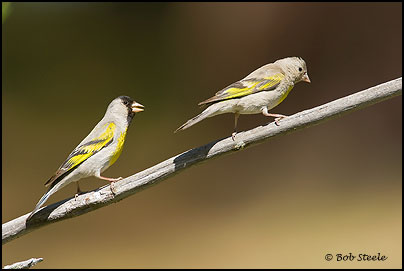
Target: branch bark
{"x": 25, "y": 264}
{"x": 103, "y": 196}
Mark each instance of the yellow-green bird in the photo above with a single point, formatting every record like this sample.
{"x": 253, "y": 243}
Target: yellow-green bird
{"x": 98, "y": 151}
{"x": 259, "y": 92}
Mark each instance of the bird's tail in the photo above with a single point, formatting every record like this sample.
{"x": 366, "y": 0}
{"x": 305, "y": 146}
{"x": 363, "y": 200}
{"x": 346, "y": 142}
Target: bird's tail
{"x": 42, "y": 201}
{"x": 208, "y": 112}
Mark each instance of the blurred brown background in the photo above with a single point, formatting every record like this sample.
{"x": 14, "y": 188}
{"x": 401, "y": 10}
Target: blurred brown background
{"x": 333, "y": 188}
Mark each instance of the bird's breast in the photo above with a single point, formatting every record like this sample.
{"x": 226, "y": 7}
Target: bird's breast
{"x": 119, "y": 147}
{"x": 284, "y": 94}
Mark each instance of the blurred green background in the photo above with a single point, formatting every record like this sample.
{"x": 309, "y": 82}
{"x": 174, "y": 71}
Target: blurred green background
{"x": 333, "y": 188}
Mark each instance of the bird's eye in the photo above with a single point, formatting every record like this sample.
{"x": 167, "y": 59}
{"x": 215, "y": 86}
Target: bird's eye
{"x": 125, "y": 102}
{"x": 300, "y": 69}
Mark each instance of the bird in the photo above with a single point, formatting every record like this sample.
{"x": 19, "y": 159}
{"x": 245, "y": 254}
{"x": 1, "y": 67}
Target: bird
{"x": 96, "y": 152}
{"x": 258, "y": 92}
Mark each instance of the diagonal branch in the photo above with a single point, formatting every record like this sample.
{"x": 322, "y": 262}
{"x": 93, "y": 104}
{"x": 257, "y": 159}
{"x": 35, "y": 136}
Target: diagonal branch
{"x": 24, "y": 264}
{"x": 103, "y": 196}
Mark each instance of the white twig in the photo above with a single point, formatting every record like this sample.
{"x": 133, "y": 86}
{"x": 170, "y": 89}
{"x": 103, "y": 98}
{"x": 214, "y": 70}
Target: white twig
{"x": 103, "y": 196}
{"x": 24, "y": 265}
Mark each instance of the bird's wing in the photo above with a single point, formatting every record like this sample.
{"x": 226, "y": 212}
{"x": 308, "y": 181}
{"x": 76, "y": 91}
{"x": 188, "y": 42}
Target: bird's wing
{"x": 101, "y": 139}
{"x": 246, "y": 87}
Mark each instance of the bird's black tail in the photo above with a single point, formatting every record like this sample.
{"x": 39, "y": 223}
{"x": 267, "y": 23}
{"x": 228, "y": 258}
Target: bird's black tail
{"x": 42, "y": 201}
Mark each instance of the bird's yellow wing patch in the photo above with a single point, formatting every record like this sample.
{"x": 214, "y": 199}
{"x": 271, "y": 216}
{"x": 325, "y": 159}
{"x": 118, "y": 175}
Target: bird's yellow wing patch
{"x": 239, "y": 90}
{"x": 85, "y": 151}
{"x": 271, "y": 82}
{"x": 246, "y": 87}
{"x": 88, "y": 149}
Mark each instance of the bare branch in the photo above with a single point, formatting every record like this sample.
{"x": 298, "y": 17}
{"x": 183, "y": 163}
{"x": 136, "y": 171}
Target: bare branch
{"x": 25, "y": 264}
{"x": 103, "y": 196}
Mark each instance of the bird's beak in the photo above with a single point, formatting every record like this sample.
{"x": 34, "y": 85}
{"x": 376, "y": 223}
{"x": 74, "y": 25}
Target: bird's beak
{"x": 137, "y": 107}
{"x": 306, "y": 78}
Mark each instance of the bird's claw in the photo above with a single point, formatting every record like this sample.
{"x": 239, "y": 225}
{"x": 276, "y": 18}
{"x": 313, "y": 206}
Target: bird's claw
{"x": 111, "y": 186}
{"x": 233, "y": 136}
{"x": 278, "y": 119}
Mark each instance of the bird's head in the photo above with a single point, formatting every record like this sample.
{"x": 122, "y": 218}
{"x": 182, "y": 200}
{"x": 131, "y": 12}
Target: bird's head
{"x": 295, "y": 68}
{"x": 124, "y": 107}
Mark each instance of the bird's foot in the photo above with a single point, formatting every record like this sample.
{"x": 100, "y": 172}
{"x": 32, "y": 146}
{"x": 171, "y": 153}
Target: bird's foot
{"x": 112, "y": 181}
{"x": 233, "y": 136}
{"x": 111, "y": 186}
{"x": 278, "y": 118}
{"x": 276, "y": 121}
{"x": 78, "y": 193}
